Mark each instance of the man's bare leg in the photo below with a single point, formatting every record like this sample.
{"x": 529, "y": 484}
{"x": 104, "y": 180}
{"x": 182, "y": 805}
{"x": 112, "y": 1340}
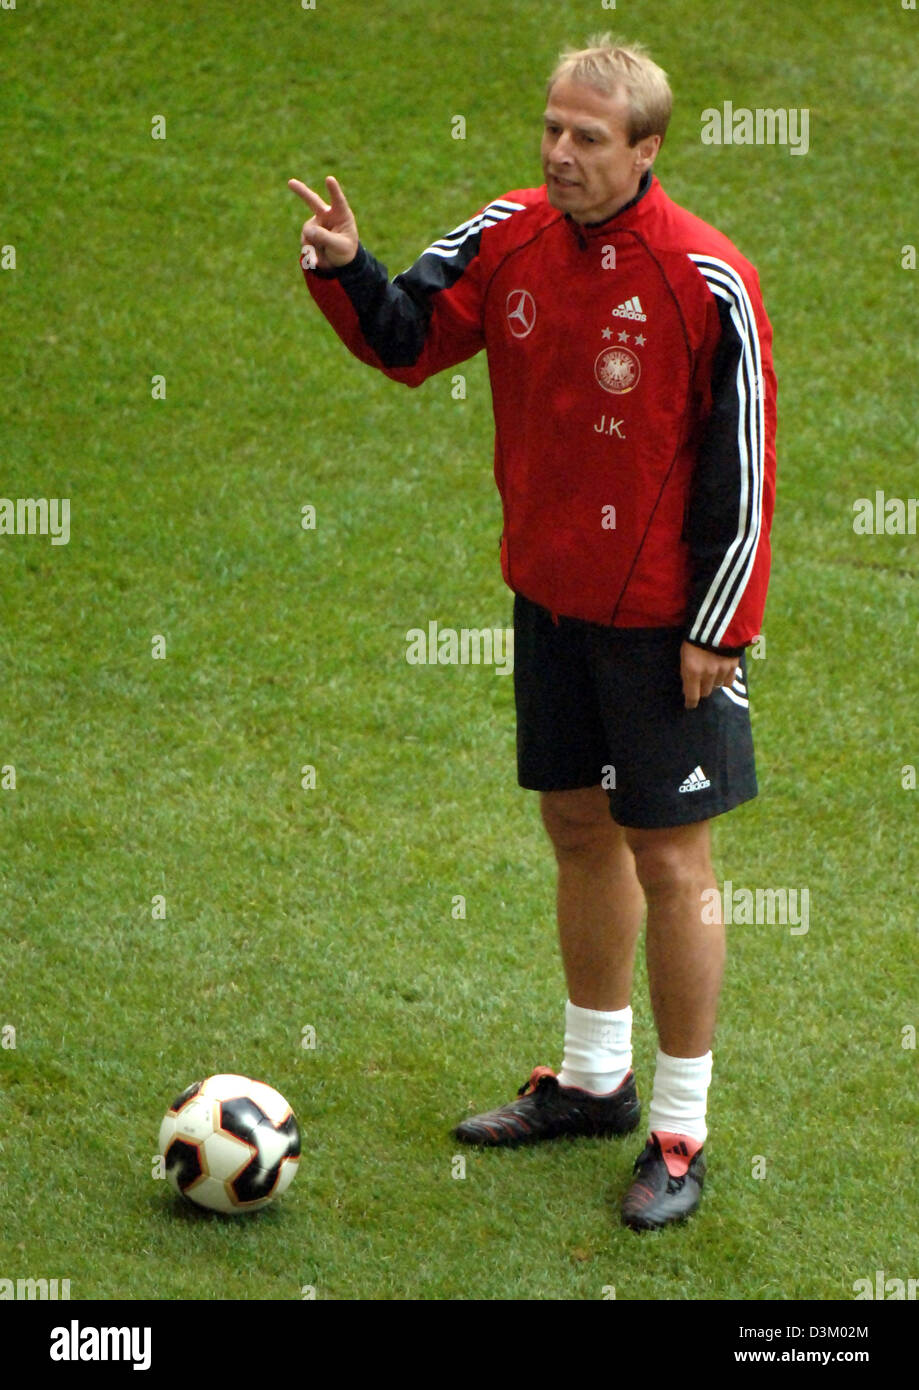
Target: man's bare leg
{"x": 600, "y": 901}
{"x": 685, "y": 958}
{"x": 685, "y": 954}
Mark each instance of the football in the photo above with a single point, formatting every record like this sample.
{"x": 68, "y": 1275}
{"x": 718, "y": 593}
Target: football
{"x": 230, "y": 1144}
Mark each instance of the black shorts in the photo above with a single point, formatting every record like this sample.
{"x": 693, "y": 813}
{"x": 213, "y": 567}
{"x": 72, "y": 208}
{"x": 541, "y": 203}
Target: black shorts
{"x": 604, "y": 706}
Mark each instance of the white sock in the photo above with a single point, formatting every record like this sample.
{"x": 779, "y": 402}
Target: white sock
{"x": 598, "y": 1048}
{"x": 680, "y": 1095}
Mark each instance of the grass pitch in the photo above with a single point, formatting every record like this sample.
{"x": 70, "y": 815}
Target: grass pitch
{"x": 138, "y": 778}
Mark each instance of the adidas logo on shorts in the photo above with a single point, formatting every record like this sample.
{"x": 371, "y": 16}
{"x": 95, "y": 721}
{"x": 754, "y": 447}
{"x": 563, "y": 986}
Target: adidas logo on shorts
{"x": 696, "y": 781}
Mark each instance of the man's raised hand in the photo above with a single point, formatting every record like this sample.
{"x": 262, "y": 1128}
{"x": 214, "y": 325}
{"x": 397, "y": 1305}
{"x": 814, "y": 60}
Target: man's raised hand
{"x": 332, "y": 230}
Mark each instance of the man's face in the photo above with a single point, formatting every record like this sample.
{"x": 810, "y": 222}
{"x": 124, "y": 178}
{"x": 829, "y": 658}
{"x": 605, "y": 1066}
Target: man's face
{"x": 590, "y": 168}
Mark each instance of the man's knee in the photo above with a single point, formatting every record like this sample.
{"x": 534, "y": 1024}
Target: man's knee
{"x": 578, "y": 821}
{"x": 671, "y": 860}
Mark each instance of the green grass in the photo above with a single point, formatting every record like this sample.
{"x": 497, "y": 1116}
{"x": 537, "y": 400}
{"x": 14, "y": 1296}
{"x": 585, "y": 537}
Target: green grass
{"x": 285, "y": 647}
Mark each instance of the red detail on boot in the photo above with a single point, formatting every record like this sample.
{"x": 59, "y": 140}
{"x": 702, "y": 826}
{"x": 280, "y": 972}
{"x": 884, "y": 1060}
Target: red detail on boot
{"x": 678, "y": 1151}
{"x": 536, "y": 1076}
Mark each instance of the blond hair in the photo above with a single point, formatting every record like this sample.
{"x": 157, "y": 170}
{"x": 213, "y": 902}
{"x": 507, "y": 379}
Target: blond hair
{"x": 610, "y": 66}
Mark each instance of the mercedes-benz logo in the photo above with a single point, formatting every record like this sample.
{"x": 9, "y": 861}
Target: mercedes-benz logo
{"x": 521, "y": 313}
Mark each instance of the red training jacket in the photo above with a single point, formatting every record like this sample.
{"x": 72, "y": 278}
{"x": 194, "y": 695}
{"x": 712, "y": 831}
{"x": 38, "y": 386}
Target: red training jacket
{"x": 634, "y": 401}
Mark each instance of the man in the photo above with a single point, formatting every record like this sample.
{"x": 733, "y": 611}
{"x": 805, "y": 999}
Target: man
{"x": 634, "y": 398}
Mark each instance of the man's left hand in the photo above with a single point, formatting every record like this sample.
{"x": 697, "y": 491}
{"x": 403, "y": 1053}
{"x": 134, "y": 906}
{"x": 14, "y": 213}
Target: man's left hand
{"x": 702, "y": 672}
